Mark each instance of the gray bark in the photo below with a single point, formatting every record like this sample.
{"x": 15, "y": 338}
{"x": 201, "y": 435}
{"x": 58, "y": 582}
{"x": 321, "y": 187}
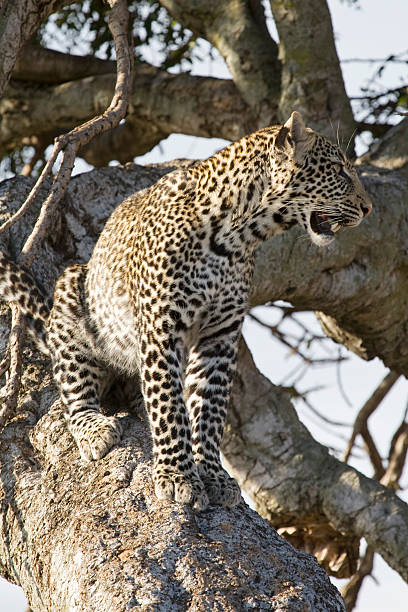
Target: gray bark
{"x": 295, "y": 481}
{"x": 237, "y": 29}
{"x": 93, "y": 537}
{"x": 99, "y": 527}
{"x": 19, "y": 20}
{"x": 312, "y": 81}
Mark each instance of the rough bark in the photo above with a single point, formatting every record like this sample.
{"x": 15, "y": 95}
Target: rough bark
{"x": 301, "y": 275}
{"x": 100, "y": 526}
{"x": 117, "y": 548}
{"x": 391, "y": 151}
{"x": 19, "y": 20}
{"x": 312, "y": 81}
{"x": 295, "y": 481}
{"x": 237, "y": 29}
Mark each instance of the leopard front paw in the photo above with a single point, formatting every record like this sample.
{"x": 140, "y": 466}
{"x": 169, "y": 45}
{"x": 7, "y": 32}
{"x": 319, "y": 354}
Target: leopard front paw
{"x": 182, "y": 488}
{"x": 222, "y": 490}
{"x": 94, "y": 434}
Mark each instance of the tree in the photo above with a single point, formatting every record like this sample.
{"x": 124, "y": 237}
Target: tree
{"x": 114, "y": 544}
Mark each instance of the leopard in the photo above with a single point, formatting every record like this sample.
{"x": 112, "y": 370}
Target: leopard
{"x": 162, "y": 299}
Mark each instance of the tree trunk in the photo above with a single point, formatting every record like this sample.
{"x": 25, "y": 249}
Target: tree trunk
{"x": 87, "y": 537}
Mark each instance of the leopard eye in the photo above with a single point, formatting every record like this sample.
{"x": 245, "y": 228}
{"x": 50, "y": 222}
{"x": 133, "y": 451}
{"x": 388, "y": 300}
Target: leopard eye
{"x": 344, "y": 175}
{"x": 341, "y": 172}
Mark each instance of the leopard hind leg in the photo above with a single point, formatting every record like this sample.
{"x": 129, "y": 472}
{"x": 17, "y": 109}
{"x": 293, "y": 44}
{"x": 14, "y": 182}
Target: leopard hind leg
{"x": 81, "y": 378}
{"x": 19, "y": 286}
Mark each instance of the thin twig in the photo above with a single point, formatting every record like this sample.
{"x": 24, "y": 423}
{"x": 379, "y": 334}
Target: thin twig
{"x": 371, "y": 404}
{"x": 35, "y": 190}
{"x": 282, "y": 337}
{"x": 322, "y": 416}
{"x": 372, "y": 61}
{"x": 373, "y": 454}
{"x": 351, "y": 590}
{"x": 340, "y": 384}
{"x": 396, "y": 458}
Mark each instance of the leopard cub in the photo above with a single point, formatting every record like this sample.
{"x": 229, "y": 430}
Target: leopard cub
{"x": 164, "y": 294}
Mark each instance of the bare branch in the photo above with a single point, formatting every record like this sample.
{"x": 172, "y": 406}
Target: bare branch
{"x": 294, "y": 347}
{"x": 293, "y": 479}
{"x": 366, "y": 411}
{"x": 397, "y": 457}
{"x": 40, "y": 65}
{"x": 69, "y": 145}
{"x": 390, "y": 152}
{"x": 351, "y": 590}
{"x": 161, "y": 103}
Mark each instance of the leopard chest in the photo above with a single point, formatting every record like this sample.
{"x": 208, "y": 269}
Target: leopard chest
{"x": 213, "y": 294}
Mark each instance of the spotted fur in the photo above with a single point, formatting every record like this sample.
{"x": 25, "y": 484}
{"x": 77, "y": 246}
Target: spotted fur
{"x": 166, "y": 289}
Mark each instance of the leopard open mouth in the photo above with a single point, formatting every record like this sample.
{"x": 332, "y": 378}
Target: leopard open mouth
{"x": 320, "y": 224}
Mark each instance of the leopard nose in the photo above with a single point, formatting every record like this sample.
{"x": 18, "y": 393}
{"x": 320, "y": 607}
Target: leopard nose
{"x": 366, "y": 210}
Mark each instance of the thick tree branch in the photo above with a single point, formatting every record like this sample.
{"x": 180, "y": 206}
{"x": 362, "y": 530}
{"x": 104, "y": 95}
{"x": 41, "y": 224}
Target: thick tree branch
{"x": 337, "y": 280}
{"x": 37, "y": 64}
{"x": 391, "y": 152}
{"x": 19, "y": 20}
{"x": 294, "y": 480}
{"x": 239, "y": 32}
{"x": 312, "y": 81}
{"x": 308, "y": 275}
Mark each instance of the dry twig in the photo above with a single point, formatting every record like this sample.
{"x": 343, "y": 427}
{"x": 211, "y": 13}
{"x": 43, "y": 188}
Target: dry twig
{"x": 294, "y": 347}
{"x": 352, "y": 588}
{"x": 360, "y": 425}
{"x": 396, "y": 457}
{"x": 388, "y": 477}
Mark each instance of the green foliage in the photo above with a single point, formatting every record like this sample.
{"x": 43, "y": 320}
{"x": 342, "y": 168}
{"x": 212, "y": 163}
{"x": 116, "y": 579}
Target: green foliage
{"x": 82, "y": 27}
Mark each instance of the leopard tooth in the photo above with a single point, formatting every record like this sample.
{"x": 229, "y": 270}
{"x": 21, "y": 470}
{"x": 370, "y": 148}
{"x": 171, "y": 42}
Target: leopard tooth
{"x": 335, "y": 227}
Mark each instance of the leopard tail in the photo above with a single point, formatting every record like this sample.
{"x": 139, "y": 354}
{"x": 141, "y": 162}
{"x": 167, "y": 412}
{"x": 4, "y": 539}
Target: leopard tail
{"x": 18, "y": 285}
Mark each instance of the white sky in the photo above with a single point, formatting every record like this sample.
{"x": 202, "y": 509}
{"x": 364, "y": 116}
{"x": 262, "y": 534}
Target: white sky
{"x": 376, "y": 30}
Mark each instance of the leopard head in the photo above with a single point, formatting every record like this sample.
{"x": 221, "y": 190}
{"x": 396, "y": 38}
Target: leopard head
{"x": 323, "y": 192}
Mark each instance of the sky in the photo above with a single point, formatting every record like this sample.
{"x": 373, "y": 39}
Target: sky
{"x": 376, "y": 30}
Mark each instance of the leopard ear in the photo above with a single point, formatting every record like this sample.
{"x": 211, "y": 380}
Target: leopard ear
{"x": 301, "y": 136}
{"x": 296, "y": 127}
